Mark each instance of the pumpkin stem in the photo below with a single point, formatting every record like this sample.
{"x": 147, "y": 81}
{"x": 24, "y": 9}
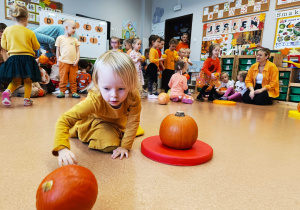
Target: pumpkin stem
{"x": 180, "y": 114}
{"x": 47, "y": 185}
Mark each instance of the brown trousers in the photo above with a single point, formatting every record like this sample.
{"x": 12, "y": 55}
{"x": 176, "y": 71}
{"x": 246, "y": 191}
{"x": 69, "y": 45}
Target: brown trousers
{"x": 67, "y": 73}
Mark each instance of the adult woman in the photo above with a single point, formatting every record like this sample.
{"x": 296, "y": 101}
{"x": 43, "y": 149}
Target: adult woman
{"x": 262, "y": 80}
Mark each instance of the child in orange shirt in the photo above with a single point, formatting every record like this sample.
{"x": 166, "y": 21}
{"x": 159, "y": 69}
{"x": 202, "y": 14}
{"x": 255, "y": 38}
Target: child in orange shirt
{"x": 83, "y": 78}
{"x": 169, "y": 64}
{"x": 207, "y": 75}
{"x": 178, "y": 83}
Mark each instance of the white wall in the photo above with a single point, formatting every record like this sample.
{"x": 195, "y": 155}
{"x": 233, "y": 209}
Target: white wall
{"x": 195, "y": 7}
{"x": 114, "y": 11}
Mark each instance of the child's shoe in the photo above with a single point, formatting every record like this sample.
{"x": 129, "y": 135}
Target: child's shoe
{"x": 6, "y": 98}
{"x": 60, "y": 95}
{"x": 152, "y": 96}
{"x": 175, "y": 99}
{"x": 200, "y": 98}
{"x": 28, "y": 102}
{"x": 75, "y": 95}
{"x": 187, "y": 100}
{"x": 223, "y": 98}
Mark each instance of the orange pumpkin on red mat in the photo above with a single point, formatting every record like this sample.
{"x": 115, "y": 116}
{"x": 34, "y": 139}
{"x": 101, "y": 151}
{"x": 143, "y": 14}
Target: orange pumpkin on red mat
{"x": 163, "y": 98}
{"x": 298, "y": 107}
{"x": 178, "y": 131}
{"x": 70, "y": 187}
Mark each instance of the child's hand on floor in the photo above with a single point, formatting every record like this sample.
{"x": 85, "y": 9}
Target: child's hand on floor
{"x": 119, "y": 152}
{"x": 66, "y": 157}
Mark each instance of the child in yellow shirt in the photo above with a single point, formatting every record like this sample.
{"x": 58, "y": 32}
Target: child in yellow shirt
{"x": 108, "y": 119}
{"x": 20, "y": 43}
{"x": 67, "y": 53}
{"x": 169, "y": 63}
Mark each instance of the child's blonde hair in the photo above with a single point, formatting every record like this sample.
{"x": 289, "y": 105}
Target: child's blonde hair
{"x": 179, "y": 65}
{"x": 224, "y": 73}
{"x": 121, "y": 64}
{"x": 243, "y": 74}
{"x": 69, "y": 22}
{"x": 135, "y": 40}
{"x": 182, "y": 50}
{"x": 115, "y": 38}
{"x": 173, "y": 41}
{"x": 19, "y": 12}
{"x": 188, "y": 49}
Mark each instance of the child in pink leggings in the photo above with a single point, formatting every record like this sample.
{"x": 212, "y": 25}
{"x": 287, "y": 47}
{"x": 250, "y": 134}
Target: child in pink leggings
{"x": 240, "y": 88}
{"x": 178, "y": 83}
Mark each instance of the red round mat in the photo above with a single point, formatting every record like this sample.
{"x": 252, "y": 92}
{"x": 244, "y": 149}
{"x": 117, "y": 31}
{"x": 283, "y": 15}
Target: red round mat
{"x": 155, "y": 150}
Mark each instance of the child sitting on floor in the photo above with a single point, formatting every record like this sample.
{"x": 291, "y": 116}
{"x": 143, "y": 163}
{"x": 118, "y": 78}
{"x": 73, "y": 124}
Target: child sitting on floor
{"x": 240, "y": 88}
{"x": 225, "y": 84}
{"x": 178, "y": 83}
{"x": 83, "y": 78}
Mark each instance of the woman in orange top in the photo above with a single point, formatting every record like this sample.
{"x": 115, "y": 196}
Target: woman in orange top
{"x": 183, "y": 43}
{"x": 262, "y": 80}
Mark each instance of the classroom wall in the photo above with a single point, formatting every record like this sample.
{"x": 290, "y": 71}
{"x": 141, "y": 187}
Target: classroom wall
{"x": 114, "y": 11}
{"x": 195, "y": 7}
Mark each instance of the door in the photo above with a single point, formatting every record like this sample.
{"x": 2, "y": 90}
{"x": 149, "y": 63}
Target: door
{"x": 175, "y": 27}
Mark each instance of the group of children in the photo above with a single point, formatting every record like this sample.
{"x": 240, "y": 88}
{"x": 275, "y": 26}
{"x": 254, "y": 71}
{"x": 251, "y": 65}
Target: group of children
{"x": 108, "y": 119}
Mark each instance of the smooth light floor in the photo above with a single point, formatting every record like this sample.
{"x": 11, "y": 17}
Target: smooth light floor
{"x": 256, "y": 162}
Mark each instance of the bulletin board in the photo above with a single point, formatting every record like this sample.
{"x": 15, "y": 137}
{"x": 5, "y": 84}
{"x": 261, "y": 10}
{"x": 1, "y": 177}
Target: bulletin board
{"x": 286, "y": 3}
{"x": 287, "y": 33}
{"x": 236, "y": 8}
{"x": 228, "y": 33}
{"x": 92, "y": 33}
{"x": 34, "y": 7}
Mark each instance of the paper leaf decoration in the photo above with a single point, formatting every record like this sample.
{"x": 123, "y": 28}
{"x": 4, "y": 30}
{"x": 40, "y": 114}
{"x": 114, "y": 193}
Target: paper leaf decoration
{"x": 252, "y": 45}
{"x": 47, "y": 2}
{"x": 236, "y": 35}
{"x": 42, "y": 5}
{"x": 233, "y": 43}
{"x": 261, "y": 25}
{"x": 205, "y": 26}
{"x": 219, "y": 41}
{"x": 262, "y": 16}
{"x": 53, "y": 6}
{"x": 285, "y": 51}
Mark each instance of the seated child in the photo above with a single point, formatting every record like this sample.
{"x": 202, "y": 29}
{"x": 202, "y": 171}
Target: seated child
{"x": 83, "y": 78}
{"x": 178, "y": 83}
{"x": 225, "y": 83}
{"x": 108, "y": 119}
{"x": 240, "y": 88}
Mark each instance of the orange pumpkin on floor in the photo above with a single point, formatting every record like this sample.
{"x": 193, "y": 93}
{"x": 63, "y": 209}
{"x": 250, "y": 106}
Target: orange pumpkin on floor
{"x": 68, "y": 187}
{"x": 178, "y": 131}
{"x": 187, "y": 76}
{"x": 163, "y": 98}
{"x": 298, "y": 107}
{"x": 43, "y": 59}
